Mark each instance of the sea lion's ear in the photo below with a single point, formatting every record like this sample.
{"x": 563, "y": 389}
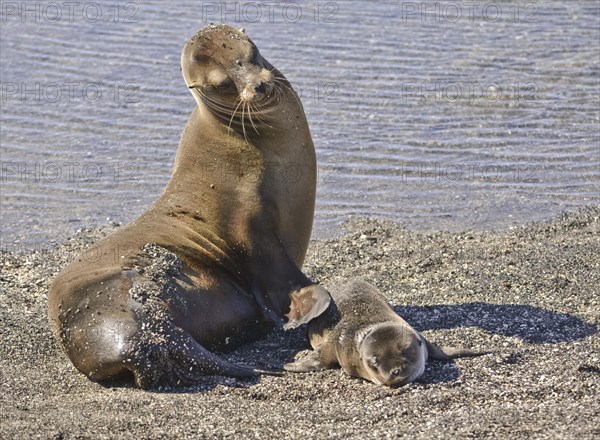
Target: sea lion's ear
{"x": 444, "y": 353}
{"x": 306, "y": 304}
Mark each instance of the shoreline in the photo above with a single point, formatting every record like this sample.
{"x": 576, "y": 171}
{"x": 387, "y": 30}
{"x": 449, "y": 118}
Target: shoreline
{"x": 531, "y": 291}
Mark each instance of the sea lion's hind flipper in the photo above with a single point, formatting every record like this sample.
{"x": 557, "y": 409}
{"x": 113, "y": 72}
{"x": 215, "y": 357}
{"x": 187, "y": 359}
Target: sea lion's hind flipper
{"x": 273, "y": 372}
{"x": 310, "y": 362}
{"x": 175, "y": 358}
{"x": 306, "y": 304}
{"x": 438, "y": 353}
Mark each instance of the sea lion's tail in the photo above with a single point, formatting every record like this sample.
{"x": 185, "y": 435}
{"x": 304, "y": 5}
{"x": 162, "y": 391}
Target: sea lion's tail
{"x": 174, "y": 358}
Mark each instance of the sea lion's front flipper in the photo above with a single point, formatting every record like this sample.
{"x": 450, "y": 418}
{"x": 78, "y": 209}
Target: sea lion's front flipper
{"x": 438, "y": 353}
{"x": 172, "y": 357}
{"x": 310, "y": 362}
{"x": 306, "y": 304}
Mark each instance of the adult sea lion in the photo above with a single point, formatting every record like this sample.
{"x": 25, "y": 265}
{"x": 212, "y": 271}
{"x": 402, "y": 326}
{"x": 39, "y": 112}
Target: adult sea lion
{"x": 361, "y": 333}
{"x": 215, "y": 261}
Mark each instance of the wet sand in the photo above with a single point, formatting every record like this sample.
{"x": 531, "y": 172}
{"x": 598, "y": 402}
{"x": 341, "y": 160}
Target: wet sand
{"x": 532, "y": 292}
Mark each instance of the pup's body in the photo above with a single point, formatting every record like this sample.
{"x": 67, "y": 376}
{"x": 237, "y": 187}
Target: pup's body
{"x": 363, "y": 335}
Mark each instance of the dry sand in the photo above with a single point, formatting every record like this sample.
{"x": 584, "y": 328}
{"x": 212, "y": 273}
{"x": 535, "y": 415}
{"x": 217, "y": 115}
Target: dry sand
{"x": 533, "y": 292}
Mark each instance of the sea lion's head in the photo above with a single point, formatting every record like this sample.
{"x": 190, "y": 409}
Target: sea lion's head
{"x": 221, "y": 65}
{"x": 393, "y": 354}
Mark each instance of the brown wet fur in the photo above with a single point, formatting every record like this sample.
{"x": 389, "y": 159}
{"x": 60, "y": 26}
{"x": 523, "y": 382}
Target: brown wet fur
{"x": 229, "y": 233}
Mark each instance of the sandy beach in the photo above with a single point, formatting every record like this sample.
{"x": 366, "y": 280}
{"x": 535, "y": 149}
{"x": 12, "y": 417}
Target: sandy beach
{"x": 531, "y": 292}
{"x": 480, "y": 119}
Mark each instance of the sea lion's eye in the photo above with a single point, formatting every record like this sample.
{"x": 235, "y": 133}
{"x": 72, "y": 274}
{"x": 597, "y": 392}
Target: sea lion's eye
{"x": 225, "y": 84}
{"x": 255, "y": 57}
{"x": 218, "y": 79}
{"x": 420, "y": 342}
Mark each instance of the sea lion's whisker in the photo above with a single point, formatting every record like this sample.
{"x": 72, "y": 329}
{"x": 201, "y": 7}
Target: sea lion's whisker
{"x": 251, "y": 121}
{"x": 213, "y": 103}
{"x": 234, "y": 112}
{"x": 243, "y": 126}
{"x": 256, "y": 115}
{"x": 225, "y": 112}
{"x": 285, "y": 86}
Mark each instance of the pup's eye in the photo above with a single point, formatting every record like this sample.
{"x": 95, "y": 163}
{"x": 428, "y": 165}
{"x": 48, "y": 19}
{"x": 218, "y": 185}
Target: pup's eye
{"x": 420, "y": 342}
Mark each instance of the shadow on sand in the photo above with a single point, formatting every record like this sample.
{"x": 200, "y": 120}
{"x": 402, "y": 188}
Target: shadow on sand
{"x": 531, "y": 324}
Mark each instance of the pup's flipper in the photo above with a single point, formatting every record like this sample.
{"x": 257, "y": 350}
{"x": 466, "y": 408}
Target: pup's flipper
{"x": 310, "y": 362}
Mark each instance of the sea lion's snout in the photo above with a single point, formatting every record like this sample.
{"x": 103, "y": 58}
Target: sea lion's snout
{"x": 255, "y": 92}
{"x": 253, "y": 84}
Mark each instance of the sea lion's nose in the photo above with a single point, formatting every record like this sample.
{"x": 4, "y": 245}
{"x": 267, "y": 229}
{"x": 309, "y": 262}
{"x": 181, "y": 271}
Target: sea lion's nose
{"x": 253, "y": 90}
{"x": 260, "y": 87}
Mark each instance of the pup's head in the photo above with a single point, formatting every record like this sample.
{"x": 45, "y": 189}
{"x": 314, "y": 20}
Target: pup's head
{"x": 393, "y": 354}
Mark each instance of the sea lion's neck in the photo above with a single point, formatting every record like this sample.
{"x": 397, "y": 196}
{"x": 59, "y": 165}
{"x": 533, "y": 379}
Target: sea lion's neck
{"x": 210, "y": 166}
{"x": 223, "y": 144}
{"x": 258, "y": 180}
{"x": 215, "y": 170}
{"x": 212, "y": 155}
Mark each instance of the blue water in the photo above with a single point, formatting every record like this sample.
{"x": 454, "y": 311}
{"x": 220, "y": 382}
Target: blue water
{"x": 425, "y": 114}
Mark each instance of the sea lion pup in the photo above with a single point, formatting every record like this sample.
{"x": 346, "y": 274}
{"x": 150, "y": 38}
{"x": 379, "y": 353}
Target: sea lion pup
{"x": 361, "y": 333}
{"x": 215, "y": 261}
